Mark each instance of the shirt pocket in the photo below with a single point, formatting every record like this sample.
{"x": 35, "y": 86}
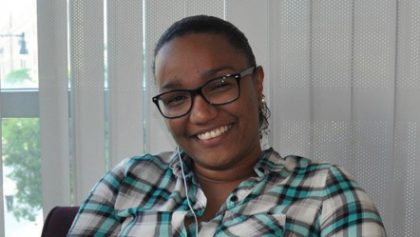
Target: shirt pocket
{"x": 256, "y": 225}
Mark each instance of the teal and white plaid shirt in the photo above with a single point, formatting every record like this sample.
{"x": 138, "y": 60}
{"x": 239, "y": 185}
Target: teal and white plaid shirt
{"x": 291, "y": 196}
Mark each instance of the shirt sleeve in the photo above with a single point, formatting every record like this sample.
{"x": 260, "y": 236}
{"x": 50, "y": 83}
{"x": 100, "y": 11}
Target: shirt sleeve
{"x": 96, "y": 216}
{"x": 347, "y": 210}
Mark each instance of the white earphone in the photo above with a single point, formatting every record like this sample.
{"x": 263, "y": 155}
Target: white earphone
{"x": 178, "y": 152}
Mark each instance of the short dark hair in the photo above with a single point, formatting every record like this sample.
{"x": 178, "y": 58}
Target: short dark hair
{"x": 207, "y": 24}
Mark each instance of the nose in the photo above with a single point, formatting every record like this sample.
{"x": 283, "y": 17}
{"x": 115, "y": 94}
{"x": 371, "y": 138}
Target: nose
{"x": 202, "y": 111}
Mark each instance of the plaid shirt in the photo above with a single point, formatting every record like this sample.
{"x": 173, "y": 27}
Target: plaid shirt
{"x": 290, "y": 196}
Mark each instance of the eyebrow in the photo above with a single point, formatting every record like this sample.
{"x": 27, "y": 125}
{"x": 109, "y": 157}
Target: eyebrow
{"x": 175, "y": 83}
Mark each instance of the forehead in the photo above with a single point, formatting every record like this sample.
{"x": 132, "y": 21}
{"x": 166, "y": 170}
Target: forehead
{"x": 195, "y": 55}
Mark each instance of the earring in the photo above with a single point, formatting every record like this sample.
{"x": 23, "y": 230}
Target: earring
{"x": 263, "y": 99}
{"x": 264, "y": 114}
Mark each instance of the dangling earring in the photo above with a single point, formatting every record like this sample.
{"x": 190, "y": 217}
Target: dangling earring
{"x": 264, "y": 114}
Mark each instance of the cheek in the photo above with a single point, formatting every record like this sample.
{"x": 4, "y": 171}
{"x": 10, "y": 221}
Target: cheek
{"x": 252, "y": 101}
{"x": 175, "y": 127}
{"x": 251, "y": 109}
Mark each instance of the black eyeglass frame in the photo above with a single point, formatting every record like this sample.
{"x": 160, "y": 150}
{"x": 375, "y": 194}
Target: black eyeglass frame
{"x": 198, "y": 91}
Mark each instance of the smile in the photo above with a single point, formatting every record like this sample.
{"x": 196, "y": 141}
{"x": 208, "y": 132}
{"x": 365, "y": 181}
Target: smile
{"x": 213, "y": 133}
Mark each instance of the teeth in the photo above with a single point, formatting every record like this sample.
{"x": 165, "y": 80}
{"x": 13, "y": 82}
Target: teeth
{"x": 213, "y": 133}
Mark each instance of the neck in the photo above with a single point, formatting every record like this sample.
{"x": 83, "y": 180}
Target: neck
{"x": 222, "y": 179}
{"x": 234, "y": 173}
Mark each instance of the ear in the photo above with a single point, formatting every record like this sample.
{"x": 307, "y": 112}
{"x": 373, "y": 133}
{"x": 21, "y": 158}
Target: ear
{"x": 259, "y": 81}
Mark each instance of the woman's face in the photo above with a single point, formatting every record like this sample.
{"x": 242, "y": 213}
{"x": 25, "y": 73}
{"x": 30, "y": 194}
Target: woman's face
{"x": 216, "y": 137}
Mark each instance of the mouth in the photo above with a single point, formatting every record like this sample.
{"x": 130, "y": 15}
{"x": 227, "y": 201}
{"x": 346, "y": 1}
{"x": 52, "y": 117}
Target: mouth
{"x": 214, "y": 133}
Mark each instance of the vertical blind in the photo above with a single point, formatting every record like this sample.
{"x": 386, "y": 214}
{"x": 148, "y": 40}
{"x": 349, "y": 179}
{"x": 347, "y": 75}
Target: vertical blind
{"x": 342, "y": 82}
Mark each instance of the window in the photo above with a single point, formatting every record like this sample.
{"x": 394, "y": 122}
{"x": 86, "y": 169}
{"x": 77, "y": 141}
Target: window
{"x": 22, "y": 209}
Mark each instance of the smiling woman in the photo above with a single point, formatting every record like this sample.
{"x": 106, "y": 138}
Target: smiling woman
{"x": 219, "y": 181}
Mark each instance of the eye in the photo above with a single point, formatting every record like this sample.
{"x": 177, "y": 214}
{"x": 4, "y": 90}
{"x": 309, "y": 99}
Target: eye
{"x": 173, "y": 99}
{"x": 220, "y": 85}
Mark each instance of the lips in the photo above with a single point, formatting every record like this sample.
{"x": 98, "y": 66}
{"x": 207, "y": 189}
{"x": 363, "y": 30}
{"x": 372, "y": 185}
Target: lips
{"x": 213, "y": 133}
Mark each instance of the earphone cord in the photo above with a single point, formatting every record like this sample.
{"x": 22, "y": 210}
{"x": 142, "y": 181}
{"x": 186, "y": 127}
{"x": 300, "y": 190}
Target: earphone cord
{"x": 186, "y": 193}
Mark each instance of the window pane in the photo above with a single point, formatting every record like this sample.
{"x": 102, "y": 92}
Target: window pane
{"x": 18, "y": 57}
{"x": 21, "y": 177}
{"x": 19, "y": 136}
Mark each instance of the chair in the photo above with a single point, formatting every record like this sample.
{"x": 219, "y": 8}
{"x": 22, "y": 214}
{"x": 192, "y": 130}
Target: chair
{"x": 58, "y": 221}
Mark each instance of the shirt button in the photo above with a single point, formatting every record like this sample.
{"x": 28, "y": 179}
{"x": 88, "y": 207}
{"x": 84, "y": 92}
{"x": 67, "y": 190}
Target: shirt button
{"x": 234, "y": 198}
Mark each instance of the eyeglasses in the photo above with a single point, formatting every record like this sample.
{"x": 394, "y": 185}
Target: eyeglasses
{"x": 219, "y": 91}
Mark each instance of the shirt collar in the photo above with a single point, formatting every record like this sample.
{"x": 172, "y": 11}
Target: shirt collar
{"x": 175, "y": 164}
{"x": 270, "y": 161}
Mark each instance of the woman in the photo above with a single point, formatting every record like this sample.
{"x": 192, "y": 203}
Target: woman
{"x": 219, "y": 182}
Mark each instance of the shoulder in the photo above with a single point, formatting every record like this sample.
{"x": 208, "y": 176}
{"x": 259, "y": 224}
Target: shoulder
{"x": 142, "y": 163}
{"x": 135, "y": 169}
{"x": 151, "y": 162}
{"x": 326, "y": 177}
{"x": 130, "y": 175}
{"x": 138, "y": 170}
{"x": 331, "y": 182}
{"x": 305, "y": 167}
